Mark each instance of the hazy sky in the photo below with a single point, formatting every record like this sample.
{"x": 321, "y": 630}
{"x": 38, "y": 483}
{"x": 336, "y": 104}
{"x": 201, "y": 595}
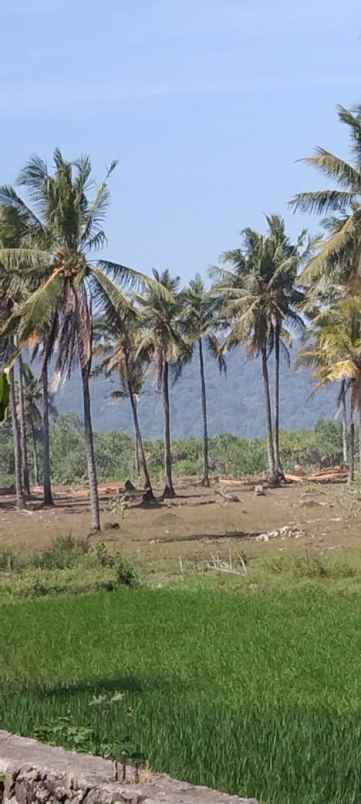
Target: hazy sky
{"x": 207, "y": 105}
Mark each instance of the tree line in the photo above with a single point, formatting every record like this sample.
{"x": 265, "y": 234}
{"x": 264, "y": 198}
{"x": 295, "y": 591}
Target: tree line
{"x": 70, "y": 309}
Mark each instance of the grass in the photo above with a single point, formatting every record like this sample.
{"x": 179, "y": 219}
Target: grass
{"x": 256, "y": 694}
{"x": 69, "y": 566}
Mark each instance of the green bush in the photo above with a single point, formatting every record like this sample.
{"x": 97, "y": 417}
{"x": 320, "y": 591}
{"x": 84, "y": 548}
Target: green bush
{"x": 126, "y": 573}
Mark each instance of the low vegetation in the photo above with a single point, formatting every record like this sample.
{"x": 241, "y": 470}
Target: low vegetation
{"x": 228, "y": 454}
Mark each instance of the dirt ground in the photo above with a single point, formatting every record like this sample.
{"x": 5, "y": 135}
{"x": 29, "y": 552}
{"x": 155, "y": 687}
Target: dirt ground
{"x": 198, "y": 524}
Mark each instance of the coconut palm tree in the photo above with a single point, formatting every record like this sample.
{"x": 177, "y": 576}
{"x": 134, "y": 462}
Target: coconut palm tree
{"x": 23, "y": 428}
{"x": 199, "y": 319}
{"x": 335, "y": 356}
{"x": 162, "y": 343}
{"x": 12, "y": 232}
{"x": 339, "y": 255}
{"x": 260, "y": 303}
{"x": 288, "y": 258}
{"x": 64, "y": 220}
{"x": 33, "y": 397}
{"x": 120, "y": 339}
{"x": 4, "y": 395}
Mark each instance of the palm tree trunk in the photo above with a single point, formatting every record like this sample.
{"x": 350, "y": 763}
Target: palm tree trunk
{"x": 136, "y": 457}
{"x": 90, "y": 452}
{"x": 279, "y": 469}
{"x": 205, "y": 479}
{"x": 168, "y": 488}
{"x": 351, "y": 476}
{"x": 36, "y": 477}
{"x": 23, "y": 433}
{"x": 20, "y": 500}
{"x": 344, "y": 423}
{"x": 139, "y": 441}
{"x": 271, "y": 454}
{"x": 47, "y": 490}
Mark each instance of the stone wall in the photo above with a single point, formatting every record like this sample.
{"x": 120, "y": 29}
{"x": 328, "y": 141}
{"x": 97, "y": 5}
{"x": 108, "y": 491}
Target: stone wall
{"x": 33, "y": 772}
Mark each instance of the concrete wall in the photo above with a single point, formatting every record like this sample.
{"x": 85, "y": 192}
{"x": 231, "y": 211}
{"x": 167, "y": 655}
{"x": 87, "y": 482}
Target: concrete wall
{"x": 33, "y": 772}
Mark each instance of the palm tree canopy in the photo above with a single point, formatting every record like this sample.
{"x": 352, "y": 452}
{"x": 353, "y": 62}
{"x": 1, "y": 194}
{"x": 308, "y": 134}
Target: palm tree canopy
{"x": 335, "y": 350}
{"x": 199, "y": 321}
{"x": 119, "y": 340}
{"x": 259, "y": 291}
{"x": 340, "y": 252}
{"x": 64, "y": 223}
{"x": 163, "y": 339}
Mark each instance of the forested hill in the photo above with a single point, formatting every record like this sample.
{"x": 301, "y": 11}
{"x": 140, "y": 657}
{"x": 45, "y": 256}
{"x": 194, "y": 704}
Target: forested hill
{"x": 235, "y": 402}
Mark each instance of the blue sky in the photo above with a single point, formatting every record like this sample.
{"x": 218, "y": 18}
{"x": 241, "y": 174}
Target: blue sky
{"x": 207, "y": 105}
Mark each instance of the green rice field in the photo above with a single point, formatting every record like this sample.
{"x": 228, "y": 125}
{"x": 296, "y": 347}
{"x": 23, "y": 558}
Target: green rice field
{"x": 257, "y": 694}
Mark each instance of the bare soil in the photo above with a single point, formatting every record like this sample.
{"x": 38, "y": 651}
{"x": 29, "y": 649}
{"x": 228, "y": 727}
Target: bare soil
{"x": 197, "y": 524}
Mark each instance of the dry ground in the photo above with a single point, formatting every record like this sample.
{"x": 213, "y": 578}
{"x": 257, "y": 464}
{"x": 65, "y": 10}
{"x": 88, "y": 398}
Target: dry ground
{"x": 198, "y": 524}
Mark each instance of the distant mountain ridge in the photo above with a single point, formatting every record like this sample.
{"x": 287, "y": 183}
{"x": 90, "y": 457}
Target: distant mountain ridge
{"x": 235, "y": 401}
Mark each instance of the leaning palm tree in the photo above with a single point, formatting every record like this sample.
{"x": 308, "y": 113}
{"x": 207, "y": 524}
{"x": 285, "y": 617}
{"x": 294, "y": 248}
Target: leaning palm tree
{"x": 162, "y": 343}
{"x": 339, "y": 254}
{"x": 64, "y": 220}
{"x": 119, "y": 341}
{"x": 199, "y": 318}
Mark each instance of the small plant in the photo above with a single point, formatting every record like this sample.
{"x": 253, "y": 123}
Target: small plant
{"x": 118, "y": 506}
{"x": 103, "y": 556}
{"x": 127, "y": 574}
{"x": 66, "y": 552}
{"x": 311, "y": 566}
{"x": 61, "y": 731}
{"x": 9, "y": 560}
{"x": 82, "y": 738}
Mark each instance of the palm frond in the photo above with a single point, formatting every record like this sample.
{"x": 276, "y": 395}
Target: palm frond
{"x": 9, "y": 198}
{"x": 336, "y": 168}
{"x": 20, "y": 259}
{"x": 215, "y": 348}
{"x": 36, "y": 311}
{"x": 321, "y": 202}
{"x": 333, "y": 250}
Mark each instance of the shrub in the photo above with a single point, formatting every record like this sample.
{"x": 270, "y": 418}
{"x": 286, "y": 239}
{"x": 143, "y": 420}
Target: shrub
{"x": 65, "y": 553}
{"x": 126, "y": 573}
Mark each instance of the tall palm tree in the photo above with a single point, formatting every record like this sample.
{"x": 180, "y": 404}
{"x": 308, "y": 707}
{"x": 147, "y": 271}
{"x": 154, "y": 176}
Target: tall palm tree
{"x": 287, "y": 258}
{"x": 335, "y": 356}
{"x": 199, "y": 318}
{"x": 260, "y": 304}
{"x": 4, "y": 395}
{"x": 120, "y": 339}
{"x": 65, "y": 225}
{"x": 162, "y": 342}
{"x": 12, "y": 232}
{"x": 33, "y": 397}
{"x": 339, "y": 254}
{"x": 23, "y": 428}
